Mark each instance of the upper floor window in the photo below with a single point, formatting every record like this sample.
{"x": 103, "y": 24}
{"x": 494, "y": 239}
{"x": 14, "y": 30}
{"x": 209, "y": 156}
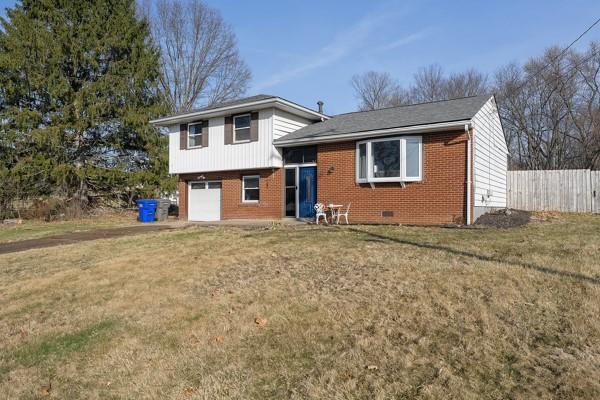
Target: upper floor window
{"x": 195, "y": 135}
{"x": 241, "y": 128}
{"x": 397, "y": 159}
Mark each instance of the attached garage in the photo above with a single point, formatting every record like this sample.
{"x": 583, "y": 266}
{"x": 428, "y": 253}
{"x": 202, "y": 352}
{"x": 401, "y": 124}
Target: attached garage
{"x": 204, "y": 201}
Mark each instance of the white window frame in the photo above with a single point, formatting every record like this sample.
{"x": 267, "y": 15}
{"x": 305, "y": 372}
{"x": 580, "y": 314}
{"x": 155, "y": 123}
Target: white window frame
{"x": 249, "y": 128}
{"x": 402, "y": 178}
{"x": 189, "y": 135}
{"x": 244, "y": 188}
{"x": 358, "y": 178}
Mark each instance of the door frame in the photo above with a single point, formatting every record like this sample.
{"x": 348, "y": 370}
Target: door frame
{"x": 189, "y": 191}
{"x": 296, "y": 168}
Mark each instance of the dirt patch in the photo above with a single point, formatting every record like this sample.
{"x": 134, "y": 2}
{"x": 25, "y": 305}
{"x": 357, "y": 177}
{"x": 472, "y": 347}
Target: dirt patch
{"x": 75, "y": 237}
{"x": 505, "y": 218}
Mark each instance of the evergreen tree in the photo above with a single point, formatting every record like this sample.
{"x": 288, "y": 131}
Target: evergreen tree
{"x": 78, "y": 82}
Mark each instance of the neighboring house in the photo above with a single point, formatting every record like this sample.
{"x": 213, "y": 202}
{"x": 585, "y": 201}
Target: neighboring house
{"x": 266, "y": 157}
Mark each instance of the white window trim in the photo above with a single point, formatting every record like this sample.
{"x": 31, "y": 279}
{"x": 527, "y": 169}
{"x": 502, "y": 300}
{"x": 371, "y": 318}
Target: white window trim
{"x": 190, "y": 135}
{"x": 244, "y": 188}
{"x": 235, "y": 129}
{"x": 358, "y": 178}
{"x": 403, "y": 153}
{"x": 402, "y": 178}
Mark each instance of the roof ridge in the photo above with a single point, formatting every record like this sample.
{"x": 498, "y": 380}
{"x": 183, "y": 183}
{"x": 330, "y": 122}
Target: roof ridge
{"x": 410, "y": 105}
{"x": 240, "y": 99}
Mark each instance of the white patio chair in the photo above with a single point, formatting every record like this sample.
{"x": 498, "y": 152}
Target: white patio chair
{"x": 343, "y": 214}
{"x": 320, "y": 212}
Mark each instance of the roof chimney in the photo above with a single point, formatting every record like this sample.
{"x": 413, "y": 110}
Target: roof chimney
{"x": 320, "y": 106}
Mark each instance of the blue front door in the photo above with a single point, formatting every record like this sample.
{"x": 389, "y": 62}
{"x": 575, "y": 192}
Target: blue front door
{"x": 307, "y": 191}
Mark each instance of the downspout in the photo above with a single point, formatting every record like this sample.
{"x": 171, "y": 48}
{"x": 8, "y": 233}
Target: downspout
{"x": 468, "y": 132}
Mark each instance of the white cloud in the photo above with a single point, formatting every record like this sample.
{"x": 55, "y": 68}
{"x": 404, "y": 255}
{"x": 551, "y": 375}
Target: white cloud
{"x": 413, "y": 37}
{"x": 344, "y": 43}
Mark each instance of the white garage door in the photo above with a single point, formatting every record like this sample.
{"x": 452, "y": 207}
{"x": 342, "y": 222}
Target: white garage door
{"x": 204, "y": 201}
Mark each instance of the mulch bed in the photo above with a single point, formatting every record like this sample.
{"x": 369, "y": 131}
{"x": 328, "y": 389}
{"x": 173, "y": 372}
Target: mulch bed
{"x": 505, "y": 218}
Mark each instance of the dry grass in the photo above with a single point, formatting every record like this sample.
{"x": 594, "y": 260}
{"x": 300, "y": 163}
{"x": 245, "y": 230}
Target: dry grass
{"x": 301, "y": 312}
{"x": 33, "y": 229}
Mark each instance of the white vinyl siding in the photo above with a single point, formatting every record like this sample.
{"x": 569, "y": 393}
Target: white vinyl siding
{"x": 284, "y": 123}
{"x": 490, "y": 158}
{"x": 219, "y": 157}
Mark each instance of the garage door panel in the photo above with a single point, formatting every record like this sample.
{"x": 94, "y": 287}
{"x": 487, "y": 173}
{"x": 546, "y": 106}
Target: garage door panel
{"x": 204, "y": 201}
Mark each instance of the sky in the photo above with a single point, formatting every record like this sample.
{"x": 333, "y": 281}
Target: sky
{"x": 308, "y": 50}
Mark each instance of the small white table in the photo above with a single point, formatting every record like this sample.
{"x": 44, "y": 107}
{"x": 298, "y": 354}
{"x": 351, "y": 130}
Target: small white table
{"x": 334, "y": 210}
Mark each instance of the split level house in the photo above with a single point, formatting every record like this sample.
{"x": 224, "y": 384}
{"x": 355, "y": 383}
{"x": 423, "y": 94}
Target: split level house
{"x": 442, "y": 162}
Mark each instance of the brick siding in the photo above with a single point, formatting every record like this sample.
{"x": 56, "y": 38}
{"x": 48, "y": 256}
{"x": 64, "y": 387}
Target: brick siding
{"x": 269, "y": 206}
{"x": 438, "y": 199}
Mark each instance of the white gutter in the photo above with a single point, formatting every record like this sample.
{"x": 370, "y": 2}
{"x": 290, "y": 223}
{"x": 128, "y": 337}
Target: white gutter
{"x": 213, "y": 112}
{"x": 442, "y": 126}
{"x": 468, "y": 132}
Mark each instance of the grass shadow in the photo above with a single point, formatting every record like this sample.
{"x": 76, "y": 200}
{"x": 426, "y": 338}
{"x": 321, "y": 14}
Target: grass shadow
{"x": 481, "y": 257}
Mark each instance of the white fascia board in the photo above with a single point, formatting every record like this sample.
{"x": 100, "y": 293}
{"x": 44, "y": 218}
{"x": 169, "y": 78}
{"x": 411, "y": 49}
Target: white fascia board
{"x": 276, "y": 102}
{"x": 443, "y": 126}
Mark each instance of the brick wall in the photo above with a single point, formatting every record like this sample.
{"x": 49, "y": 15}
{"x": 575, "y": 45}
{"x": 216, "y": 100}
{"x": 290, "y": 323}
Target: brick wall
{"x": 270, "y": 204}
{"x": 438, "y": 199}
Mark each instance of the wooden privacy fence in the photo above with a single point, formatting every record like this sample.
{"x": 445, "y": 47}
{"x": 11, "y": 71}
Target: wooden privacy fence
{"x": 572, "y": 190}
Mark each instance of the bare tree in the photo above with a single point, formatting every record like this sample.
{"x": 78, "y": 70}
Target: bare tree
{"x": 200, "y": 61}
{"x": 464, "y": 84}
{"x": 550, "y": 106}
{"x": 376, "y": 90}
{"x": 584, "y": 109}
{"x": 429, "y": 84}
{"x": 550, "y": 109}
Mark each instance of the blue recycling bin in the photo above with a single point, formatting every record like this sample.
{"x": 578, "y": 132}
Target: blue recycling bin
{"x": 146, "y": 210}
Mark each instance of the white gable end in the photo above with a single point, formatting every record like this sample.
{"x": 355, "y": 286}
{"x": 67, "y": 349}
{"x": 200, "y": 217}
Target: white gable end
{"x": 490, "y": 158}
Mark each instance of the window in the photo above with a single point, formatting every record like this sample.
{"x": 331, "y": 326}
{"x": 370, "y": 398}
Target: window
{"x": 300, "y": 155}
{"x": 241, "y": 128}
{"x": 397, "y": 159}
{"x": 205, "y": 185}
{"x": 250, "y": 189}
{"x": 386, "y": 159}
{"x": 194, "y": 135}
{"x": 412, "y": 157}
{"x": 362, "y": 161}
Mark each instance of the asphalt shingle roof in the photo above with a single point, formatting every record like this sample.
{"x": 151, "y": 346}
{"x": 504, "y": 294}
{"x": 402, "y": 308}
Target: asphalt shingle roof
{"x": 393, "y": 117}
{"x": 250, "y": 99}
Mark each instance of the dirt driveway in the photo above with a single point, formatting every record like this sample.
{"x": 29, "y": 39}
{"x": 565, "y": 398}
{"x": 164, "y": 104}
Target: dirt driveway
{"x": 75, "y": 237}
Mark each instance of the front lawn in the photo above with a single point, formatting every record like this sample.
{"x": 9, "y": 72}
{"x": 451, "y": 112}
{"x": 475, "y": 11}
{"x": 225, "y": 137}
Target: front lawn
{"x": 308, "y": 312}
{"x": 34, "y": 229}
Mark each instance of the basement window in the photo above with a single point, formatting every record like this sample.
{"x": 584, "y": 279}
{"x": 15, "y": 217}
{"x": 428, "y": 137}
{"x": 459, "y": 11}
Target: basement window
{"x": 395, "y": 159}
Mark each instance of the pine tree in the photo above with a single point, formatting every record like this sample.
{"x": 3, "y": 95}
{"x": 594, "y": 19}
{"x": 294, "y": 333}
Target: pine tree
{"x": 78, "y": 82}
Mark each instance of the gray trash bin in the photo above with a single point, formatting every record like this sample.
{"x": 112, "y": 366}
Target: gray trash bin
{"x": 162, "y": 209}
